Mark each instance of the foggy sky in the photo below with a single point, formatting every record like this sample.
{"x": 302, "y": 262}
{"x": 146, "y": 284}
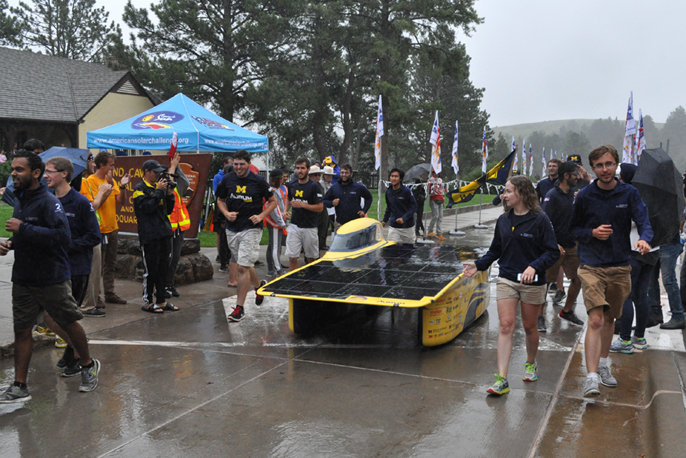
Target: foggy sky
{"x": 542, "y": 60}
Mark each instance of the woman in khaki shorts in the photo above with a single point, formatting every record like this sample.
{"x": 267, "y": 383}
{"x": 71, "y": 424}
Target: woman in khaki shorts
{"x": 525, "y": 245}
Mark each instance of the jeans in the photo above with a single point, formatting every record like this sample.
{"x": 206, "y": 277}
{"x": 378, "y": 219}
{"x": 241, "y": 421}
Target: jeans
{"x": 668, "y": 256}
{"x": 640, "y": 280}
{"x": 436, "y": 216}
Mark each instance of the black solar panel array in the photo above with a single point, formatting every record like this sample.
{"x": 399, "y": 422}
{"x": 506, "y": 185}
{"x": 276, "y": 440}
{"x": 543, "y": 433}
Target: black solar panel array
{"x": 396, "y": 271}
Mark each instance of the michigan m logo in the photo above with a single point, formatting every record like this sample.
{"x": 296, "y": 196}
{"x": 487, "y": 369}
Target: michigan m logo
{"x": 298, "y": 193}
{"x": 241, "y": 189}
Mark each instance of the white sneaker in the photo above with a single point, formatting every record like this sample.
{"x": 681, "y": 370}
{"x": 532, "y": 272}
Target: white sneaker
{"x": 606, "y": 377}
{"x": 591, "y": 388}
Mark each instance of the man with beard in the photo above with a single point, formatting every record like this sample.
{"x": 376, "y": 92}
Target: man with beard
{"x": 40, "y": 274}
{"x": 558, "y": 204}
{"x": 305, "y": 197}
{"x": 346, "y": 196}
{"x": 546, "y": 184}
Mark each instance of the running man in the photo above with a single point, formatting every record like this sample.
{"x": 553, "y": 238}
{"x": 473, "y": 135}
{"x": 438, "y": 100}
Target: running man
{"x": 40, "y": 274}
{"x": 601, "y": 222}
{"x": 239, "y": 197}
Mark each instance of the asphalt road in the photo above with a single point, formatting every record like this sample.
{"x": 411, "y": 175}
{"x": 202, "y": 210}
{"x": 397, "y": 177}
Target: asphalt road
{"x": 190, "y": 384}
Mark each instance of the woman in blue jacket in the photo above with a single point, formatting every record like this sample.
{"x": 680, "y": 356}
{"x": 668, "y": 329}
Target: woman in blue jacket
{"x": 525, "y": 245}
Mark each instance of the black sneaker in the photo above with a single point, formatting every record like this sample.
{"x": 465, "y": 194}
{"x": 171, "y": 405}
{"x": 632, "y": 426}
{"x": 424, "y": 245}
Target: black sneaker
{"x": 571, "y": 317}
{"x": 237, "y": 314}
{"x": 171, "y": 291}
{"x": 167, "y": 293}
{"x": 97, "y": 312}
{"x": 259, "y": 299}
{"x": 223, "y": 268}
{"x": 540, "y": 324}
{"x": 67, "y": 357}
{"x": 72, "y": 369}
{"x": 14, "y": 394}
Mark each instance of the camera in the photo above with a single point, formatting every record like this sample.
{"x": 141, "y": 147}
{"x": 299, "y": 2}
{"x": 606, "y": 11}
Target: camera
{"x": 168, "y": 177}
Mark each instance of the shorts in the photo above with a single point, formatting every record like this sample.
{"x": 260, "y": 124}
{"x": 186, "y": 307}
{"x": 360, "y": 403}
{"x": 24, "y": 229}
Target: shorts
{"x": 300, "y": 238}
{"x": 606, "y": 287}
{"x": 29, "y": 301}
{"x": 528, "y": 294}
{"x": 569, "y": 263}
{"x": 245, "y": 246}
{"x": 401, "y": 235}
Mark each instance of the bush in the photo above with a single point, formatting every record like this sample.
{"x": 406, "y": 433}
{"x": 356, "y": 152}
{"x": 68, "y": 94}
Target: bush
{"x": 5, "y": 169}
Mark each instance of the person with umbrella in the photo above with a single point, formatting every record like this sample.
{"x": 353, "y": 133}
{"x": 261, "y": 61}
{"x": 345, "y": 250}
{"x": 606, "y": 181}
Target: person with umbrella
{"x": 643, "y": 266}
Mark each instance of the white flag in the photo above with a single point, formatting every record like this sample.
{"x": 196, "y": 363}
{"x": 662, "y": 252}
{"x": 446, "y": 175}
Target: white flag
{"x": 524, "y": 157}
{"x": 543, "y": 160}
{"x": 531, "y": 161}
{"x": 436, "y": 151}
{"x": 514, "y": 147}
{"x": 484, "y": 153}
{"x": 379, "y": 134}
{"x": 455, "y": 164}
{"x": 640, "y": 139}
{"x": 629, "y": 131}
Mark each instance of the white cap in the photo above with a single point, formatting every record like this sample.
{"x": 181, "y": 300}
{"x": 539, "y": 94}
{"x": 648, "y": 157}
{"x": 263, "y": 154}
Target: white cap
{"x": 315, "y": 169}
{"x": 328, "y": 170}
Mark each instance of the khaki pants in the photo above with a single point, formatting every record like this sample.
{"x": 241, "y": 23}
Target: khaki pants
{"x": 93, "y": 290}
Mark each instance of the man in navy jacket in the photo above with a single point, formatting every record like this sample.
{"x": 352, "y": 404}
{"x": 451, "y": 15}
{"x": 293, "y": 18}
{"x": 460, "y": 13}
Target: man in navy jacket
{"x": 40, "y": 274}
{"x": 400, "y": 210}
{"x": 346, "y": 196}
{"x": 601, "y": 222}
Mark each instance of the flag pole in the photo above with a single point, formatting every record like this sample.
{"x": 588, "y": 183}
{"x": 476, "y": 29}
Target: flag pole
{"x": 455, "y": 231}
{"x": 481, "y": 201}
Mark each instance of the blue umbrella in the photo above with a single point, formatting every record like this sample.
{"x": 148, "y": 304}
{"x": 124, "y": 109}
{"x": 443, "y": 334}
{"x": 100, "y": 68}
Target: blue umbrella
{"x": 78, "y": 157}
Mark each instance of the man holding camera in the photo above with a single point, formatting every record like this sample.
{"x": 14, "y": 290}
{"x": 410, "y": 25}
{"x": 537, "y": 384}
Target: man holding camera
{"x": 153, "y": 201}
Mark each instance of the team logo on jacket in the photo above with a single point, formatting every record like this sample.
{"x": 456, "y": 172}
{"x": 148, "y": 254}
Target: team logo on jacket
{"x": 58, "y": 208}
{"x": 157, "y": 120}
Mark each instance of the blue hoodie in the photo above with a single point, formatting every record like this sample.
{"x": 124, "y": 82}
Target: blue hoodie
{"x": 594, "y": 206}
{"x": 350, "y": 196}
{"x": 530, "y": 242}
{"x": 40, "y": 246}
{"x": 400, "y": 203}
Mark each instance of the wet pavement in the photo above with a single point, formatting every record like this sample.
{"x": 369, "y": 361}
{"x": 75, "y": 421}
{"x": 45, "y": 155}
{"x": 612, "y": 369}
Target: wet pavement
{"x": 191, "y": 384}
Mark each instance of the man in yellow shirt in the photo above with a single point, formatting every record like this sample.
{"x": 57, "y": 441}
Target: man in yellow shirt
{"x": 107, "y": 212}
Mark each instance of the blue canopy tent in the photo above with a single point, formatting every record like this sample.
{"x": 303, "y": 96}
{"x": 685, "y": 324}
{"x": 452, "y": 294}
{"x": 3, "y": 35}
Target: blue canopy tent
{"x": 198, "y": 129}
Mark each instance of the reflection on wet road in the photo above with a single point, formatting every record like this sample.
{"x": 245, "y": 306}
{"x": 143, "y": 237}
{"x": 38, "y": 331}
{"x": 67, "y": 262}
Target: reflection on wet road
{"x": 193, "y": 385}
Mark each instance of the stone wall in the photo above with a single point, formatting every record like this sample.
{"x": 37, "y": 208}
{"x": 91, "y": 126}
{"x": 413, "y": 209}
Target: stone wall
{"x": 193, "y": 265}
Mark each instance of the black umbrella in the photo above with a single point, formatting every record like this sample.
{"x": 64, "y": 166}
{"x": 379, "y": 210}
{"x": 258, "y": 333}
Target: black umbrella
{"x": 660, "y": 185}
{"x": 418, "y": 171}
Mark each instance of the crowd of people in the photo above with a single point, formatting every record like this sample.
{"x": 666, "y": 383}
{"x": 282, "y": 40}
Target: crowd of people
{"x": 64, "y": 237}
{"x": 596, "y": 233}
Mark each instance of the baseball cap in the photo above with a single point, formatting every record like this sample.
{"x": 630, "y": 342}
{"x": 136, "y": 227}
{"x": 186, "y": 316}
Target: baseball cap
{"x": 575, "y": 158}
{"x": 276, "y": 173}
{"x": 153, "y": 165}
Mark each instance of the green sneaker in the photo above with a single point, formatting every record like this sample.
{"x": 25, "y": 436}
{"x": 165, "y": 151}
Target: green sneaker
{"x": 500, "y": 386}
{"x": 639, "y": 342}
{"x": 530, "y": 371}
{"x": 622, "y": 346}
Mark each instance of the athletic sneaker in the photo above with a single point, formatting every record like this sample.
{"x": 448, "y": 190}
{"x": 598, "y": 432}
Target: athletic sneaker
{"x": 60, "y": 343}
{"x": 541, "y": 324}
{"x": 431, "y": 234}
{"x": 440, "y": 237}
{"x": 500, "y": 386}
{"x": 14, "y": 394}
{"x": 89, "y": 377}
{"x": 553, "y": 286}
{"x": 559, "y": 295}
{"x": 591, "y": 387}
{"x": 639, "y": 342}
{"x": 606, "y": 377}
{"x": 530, "y": 372}
{"x": 223, "y": 268}
{"x": 72, "y": 369}
{"x": 43, "y": 330}
{"x": 259, "y": 299}
{"x": 571, "y": 317}
{"x": 97, "y": 312}
{"x": 622, "y": 346}
{"x": 237, "y": 314}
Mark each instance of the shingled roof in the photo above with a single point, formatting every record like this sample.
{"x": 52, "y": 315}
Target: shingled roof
{"x": 46, "y": 88}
